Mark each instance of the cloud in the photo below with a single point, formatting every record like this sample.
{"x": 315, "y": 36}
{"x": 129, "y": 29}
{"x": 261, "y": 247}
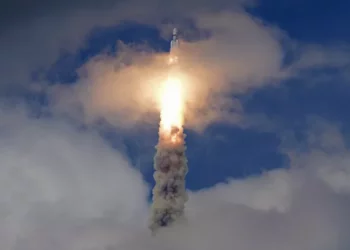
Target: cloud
{"x": 62, "y": 188}
{"x": 241, "y": 53}
{"x": 35, "y": 38}
{"x": 38, "y": 37}
{"x": 295, "y": 208}
{"x": 54, "y": 176}
{"x": 327, "y": 154}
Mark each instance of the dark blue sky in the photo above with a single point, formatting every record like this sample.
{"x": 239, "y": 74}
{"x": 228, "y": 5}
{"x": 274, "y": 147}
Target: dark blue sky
{"x": 226, "y": 151}
{"x": 320, "y": 22}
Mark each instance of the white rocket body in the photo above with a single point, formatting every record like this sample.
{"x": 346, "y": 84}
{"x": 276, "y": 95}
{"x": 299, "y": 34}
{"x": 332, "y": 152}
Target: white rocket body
{"x": 174, "y": 46}
{"x": 175, "y": 41}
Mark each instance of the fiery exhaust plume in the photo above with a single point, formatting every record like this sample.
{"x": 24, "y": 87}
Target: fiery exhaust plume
{"x": 171, "y": 104}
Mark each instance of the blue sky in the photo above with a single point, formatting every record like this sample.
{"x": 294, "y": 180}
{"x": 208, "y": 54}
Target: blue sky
{"x": 321, "y": 23}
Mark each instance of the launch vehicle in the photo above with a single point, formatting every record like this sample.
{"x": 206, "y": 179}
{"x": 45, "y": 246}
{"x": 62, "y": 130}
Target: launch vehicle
{"x": 174, "y": 45}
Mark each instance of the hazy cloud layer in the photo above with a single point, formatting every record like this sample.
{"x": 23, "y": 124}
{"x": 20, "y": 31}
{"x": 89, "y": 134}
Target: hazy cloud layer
{"x": 53, "y": 176}
{"x": 66, "y": 189}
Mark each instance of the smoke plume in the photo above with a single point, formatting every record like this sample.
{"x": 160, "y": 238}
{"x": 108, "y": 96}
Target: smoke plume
{"x": 169, "y": 194}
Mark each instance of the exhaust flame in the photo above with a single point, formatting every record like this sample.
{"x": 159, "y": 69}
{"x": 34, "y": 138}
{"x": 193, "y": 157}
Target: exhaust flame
{"x": 171, "y": 104}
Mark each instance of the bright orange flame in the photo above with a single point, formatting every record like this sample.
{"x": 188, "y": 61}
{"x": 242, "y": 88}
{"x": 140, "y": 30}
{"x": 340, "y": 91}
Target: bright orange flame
{"x": 172, "y": 60}
{"x": 171, "y": 104}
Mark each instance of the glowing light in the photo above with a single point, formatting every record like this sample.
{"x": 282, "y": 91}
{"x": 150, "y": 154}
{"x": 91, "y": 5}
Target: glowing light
{"x": 171, "y": 104}
{"x": 173, "y": 60}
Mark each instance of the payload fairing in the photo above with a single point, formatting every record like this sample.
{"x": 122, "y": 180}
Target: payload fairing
{"x": 175, "y": 41}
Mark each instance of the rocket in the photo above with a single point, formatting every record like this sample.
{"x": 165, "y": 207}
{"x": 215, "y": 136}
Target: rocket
{"x": 175, "y": 41}
{"x": 174, "y": 45}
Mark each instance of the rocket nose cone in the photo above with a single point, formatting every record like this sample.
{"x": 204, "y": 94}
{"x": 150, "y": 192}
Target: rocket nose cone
{"x": 174, "y": 31}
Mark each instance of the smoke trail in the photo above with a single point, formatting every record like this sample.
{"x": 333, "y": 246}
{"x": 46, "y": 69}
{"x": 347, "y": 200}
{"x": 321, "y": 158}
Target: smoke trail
{"x": 169, "y": 193}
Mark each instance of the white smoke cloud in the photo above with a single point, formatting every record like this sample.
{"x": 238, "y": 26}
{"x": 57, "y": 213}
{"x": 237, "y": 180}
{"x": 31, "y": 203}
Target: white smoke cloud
{"x": 54, "y": 176}
{"x": 66, "y": 189}
{"x": 296, "y": 208}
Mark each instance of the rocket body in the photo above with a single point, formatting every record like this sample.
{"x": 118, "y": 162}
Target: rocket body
{"x": 174, "y": 46}
{"x": 175, "y": 41}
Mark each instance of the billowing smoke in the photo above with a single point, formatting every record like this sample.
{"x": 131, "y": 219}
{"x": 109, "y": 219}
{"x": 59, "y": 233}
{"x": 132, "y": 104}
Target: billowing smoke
{"x": 169, "y": 194}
